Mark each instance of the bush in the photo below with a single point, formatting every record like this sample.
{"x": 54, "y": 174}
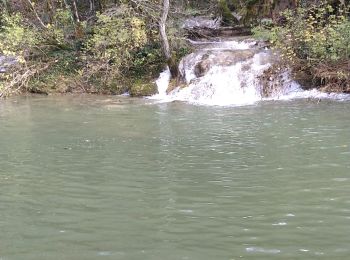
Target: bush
{"x": 41, "y": 53}
{"x": 17, "y": 38}
{"x": 315, "y": 42}
{"x": 106, "y": 53}
{"x": 118, "y": 48}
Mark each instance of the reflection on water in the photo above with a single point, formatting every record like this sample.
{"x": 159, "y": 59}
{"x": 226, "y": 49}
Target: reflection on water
{"x": 117, "y": 178}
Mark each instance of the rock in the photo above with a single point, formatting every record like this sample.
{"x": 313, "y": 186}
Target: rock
{"x": 175, "y": 83}
{"x": 262, "y": 44}
{"x": 6, "y": 62}
{"x": 141, "y": 89}
{"x": 202, "y": 22}
{"x": 203, "y": 66}
{"x": 237, "y": 16}
{"x": 221, "y": 58}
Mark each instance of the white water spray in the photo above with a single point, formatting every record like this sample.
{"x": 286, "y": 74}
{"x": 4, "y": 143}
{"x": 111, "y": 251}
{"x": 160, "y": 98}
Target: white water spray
{"x": 162, "y": 84}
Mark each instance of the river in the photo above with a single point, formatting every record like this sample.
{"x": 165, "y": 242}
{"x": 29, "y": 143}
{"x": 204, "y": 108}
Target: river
{"x": 119, "y": 178}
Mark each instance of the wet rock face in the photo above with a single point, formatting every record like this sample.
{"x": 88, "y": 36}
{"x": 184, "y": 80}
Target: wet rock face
{"x": 222, "y": 59}
{"x": 203, "y": 66}
{"x": 201, "y": 22}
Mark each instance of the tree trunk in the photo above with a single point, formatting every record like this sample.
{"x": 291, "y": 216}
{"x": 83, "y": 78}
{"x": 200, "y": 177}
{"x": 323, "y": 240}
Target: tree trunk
{"x": 171, "y": 61}
{"x": 75, "y": 8}
{"x": 99, "y": 5}
{"x": 92, "y": 6}
{"x": 162, "y": 26}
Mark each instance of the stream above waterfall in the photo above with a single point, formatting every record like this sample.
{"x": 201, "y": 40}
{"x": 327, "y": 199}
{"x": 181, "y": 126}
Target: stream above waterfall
{"x": 225, "y": 72}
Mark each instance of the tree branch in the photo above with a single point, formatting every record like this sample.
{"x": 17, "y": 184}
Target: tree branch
{"x": 36, "y": 14}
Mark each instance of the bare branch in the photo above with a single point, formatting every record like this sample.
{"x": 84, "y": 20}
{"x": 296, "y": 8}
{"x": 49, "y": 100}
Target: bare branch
{"x": 36, "y": 14}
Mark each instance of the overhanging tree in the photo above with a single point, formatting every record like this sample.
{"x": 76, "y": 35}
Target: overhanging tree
{"x": 165, "y": 42}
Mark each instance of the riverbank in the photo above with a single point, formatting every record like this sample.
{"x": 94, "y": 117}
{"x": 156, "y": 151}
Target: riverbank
{"x": 98, "y": 59}
{"x": 314, "y": 43}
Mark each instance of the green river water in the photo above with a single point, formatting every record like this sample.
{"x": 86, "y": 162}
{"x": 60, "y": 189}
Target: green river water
{"x": 118, "y": 178}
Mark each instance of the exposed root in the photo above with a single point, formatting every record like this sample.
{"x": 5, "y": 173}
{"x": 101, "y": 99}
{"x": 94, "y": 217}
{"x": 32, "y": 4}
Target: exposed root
{"x": 334, "y": 77}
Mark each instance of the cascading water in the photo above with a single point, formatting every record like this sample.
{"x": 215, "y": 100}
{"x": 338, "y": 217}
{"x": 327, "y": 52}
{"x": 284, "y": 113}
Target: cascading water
{"x": 227, "y": 74}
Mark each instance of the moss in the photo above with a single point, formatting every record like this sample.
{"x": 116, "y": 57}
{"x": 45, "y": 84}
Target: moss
{"x": 225, "y": 12}
{"x": 235, "y": 4}
{"x": 175, "y": 83}
{"x": 52, "y": 84}
{"x": 143, "y": 89}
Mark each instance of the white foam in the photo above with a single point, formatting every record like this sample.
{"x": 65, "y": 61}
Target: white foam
{"x": 162, "y": 85}
{"x": 224, "y": 45}
{"x": 262, "y": 250}
{"x": 224, "y": 86}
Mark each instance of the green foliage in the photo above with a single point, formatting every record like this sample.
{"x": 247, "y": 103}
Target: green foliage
{"x": 225, "y": 12}
{"x": 150, "y": 57}
{"x": 316, "y": 35}
{"x": 118, "y": 43}
{"x": 179, "y": 44}
{"x": 264, "y": 33}
{"x": 38, "y": 51}
{"x": 247, "y": 12}
{"x": 315, "y": 40}
{"x": 120, "y": 49}
{"x": 116, "y": 37}
{"x": 61, "y": 32}
{"x": 20, "y": 38}
{"x": 103, "y": 48}
{"x": 61, "y": 76}
{"x": 16, "y": 37}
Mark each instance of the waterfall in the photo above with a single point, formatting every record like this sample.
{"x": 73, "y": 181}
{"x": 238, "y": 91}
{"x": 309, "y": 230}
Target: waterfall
{"x": 226, "y": 73}
{"x": 162, "y": 84}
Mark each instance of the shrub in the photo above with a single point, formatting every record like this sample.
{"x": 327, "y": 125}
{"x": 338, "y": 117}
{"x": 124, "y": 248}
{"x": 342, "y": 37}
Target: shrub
{"x": 17, "y": 38}
{"x": 120, "y": 49}
{"x": 117, "y": 35}
{"x": 315, "y": 42}
{"x": 38, "y": 51}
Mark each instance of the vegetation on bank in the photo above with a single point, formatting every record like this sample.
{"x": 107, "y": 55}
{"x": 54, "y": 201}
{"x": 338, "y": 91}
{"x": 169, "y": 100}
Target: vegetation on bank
{"x": 108, "y": 47}
{"x": 117, "y": 46}
{"x": 314, "y": 42}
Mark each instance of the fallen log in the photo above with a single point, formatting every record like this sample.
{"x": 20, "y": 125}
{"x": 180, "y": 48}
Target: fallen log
{"x": 200, "y": 32}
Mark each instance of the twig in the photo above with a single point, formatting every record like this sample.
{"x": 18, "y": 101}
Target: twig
{"x": 21, "y": 79}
